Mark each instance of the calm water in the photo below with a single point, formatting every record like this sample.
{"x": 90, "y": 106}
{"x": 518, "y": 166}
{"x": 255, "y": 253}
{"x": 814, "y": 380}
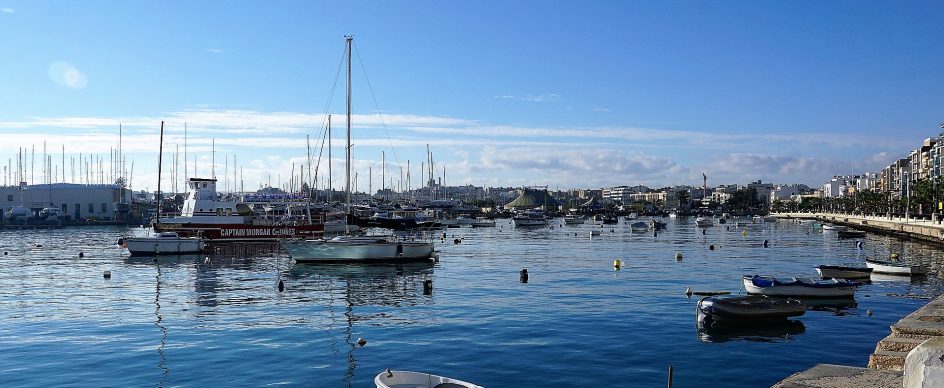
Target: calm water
{"x": 188, "y": 321}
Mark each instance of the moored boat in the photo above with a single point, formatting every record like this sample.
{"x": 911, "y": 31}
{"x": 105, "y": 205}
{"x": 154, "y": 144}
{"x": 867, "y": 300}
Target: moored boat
{"x": 770, "y": 286}
{"x": 573, "y": 219}
{"x": 746, "y": 309}
{"x": 850, "y": 233}
{"x": 165, "y": 243}
{"x": 349, "y": 249}
{"x": 483, "y": 223}
{"x": 842, "y": 272}
{"x": 639, "y": 226}
{"x": 895, "y": 268}
{"x": 530, "y": 217}
{"x": 407, "y": 379}
{"x": 834, "y": 227}
{"x": 657, "y": 225}
{"x": 704, "y": 222}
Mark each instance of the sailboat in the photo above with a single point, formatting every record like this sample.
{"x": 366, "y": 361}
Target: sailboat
{"x": 347, "y": 248}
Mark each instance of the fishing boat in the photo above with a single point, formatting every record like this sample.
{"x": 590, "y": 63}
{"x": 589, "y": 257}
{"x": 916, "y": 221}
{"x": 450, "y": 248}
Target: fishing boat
{"x": 407, "y": 379}
{"x": 746, "y": 309}
{"x": 895, "y": 268}
{"x": 850, "y": 233}
{"x": 165, "y": 243}
{"x": 704, "y": 222}
{"x": 770, "y": 286}
{"x": 347, "y": 248}
{"x": 573, "y": 219}
{"x": 639, "y": 226}
{"x": 530, "y": 217}
{"x": 841, "y": 272}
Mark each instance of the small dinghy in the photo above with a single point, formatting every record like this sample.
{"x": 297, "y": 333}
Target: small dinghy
{"x": 165, "y": 243}
{"x": 840, "y": 272}
{"x": 639, "y": 226}
{"x": 893, "y": 268}
{"x": 746, "y": 309}
{"x": 833, "y": 227}
{"x": 770, "y": 286}
{"x": 406, "y": 379}
{"x": 850, "y": 233}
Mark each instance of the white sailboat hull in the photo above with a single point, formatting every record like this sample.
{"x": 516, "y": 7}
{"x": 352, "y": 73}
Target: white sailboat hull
{"x": 356, "y": 250}
{"x": 163, "y": 246}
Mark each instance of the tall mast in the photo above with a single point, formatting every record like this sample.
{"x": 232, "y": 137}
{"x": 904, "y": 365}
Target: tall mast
{"x": 330, "y": 186}
{"x": 160, "y": 153}
{"x": 347, "y": 179}
{"x": 383, "y": 174}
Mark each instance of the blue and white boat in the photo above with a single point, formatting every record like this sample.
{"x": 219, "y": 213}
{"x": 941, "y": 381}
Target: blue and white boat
{"x": 771, "y": 286}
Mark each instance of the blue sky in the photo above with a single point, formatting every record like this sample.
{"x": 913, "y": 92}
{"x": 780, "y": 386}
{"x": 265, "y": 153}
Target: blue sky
{"x": 564, "y": 94}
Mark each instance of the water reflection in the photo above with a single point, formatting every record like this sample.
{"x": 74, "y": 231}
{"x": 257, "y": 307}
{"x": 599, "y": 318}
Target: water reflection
{"x": 837, "y": 306}
{"x": 162, "y": 360}
{"x": 774, "y": 331}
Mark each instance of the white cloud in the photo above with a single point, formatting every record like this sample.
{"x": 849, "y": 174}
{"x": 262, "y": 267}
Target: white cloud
{"x": 553, "y": 97}
{"x": 214, "y": 50}
{"x": 64, "y": 74}
{"x": 604, "y": 110}
{"x": 7, "y": 10}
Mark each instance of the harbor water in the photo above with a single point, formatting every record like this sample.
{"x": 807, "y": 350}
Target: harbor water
{"x": 220, "y": 319}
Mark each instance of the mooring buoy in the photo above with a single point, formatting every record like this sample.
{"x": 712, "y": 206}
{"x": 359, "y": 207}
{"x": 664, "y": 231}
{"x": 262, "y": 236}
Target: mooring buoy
{"x": 81, "y": 254}
{"x": 107, "y": 275}
{"x": 361, "y": 342}
{"x": 678, "y": 256}
{"x": 868, "y": 312}
{"x": 617, "y": 264}
{"x": 524, "y": 275}
{"x": 281, "y": 285}
{"x": 427, "y": 286}
{"x": 711, "y": 247}
{"x": 688, "y": 291}
{"x": 766, "y": 243}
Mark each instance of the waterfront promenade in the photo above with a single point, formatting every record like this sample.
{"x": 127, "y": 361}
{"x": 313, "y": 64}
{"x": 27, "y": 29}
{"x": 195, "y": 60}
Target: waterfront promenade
{"x": 912, "y": 227}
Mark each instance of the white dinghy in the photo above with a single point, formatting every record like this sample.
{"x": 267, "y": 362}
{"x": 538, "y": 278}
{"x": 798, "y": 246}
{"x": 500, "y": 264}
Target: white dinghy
{"x": 407, "y": 379}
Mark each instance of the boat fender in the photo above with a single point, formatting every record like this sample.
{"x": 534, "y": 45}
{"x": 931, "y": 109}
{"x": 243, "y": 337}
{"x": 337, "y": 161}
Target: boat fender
{"x": 766, "y": 243}
{"x": 711, "y": 247}
{"x": 524, "y": 275}
{"x": 281, "y": 285}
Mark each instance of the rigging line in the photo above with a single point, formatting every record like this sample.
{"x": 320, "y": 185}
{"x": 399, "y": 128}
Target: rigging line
{"x": 377, "y": 106}
{"x": 324, "y": 118}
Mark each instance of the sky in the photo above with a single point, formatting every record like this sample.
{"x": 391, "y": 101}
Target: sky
{"x": 563, "y": 94}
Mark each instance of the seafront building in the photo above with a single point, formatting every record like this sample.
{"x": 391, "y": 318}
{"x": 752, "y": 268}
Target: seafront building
{"x": 77, "y": 201}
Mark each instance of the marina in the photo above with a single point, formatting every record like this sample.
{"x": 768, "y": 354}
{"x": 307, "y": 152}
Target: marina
{"x": 475, "y": 320}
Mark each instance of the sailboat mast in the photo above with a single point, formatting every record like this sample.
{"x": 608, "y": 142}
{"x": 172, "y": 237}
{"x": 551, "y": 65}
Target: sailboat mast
{"x": 348, "y": 148}
{"x": 160, "y": 153}
{"x": 330, "y": 186}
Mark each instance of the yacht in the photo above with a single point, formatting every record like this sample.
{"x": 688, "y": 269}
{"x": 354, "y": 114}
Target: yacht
{"x": 531, "y": 217}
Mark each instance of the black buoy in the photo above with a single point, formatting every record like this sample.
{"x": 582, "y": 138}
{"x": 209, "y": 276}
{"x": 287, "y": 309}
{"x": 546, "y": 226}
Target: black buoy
{"x": 655, "y": 233}
{"x": 6, "y": 253}
{"x": 81, "y": 254}
{"x": 427, "y": 286}
{"x": 281, "y": 285}
{"x": 727, "y": 228}
{"x": 524, "y": 275}
{"x": 766, "y": 243}
{"x": 456, "y": 241}
{"x": 703, "y": 232}
{"x": 361, "y": 342}
{"x": 107, "y": 275}
{"x": 711, "y": 247}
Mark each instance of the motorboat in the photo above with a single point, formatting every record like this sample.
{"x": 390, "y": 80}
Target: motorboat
{"x": 704, "y": 222}
{"x": 530, "y": 217}
{"x": 407, "y": 379}
{"x": 573, "y": 219}
{"x": 834, "y": 227}
{"x": 18, "y": 214}
{"x": 850, "y": 233}
{"x": 770, "y": 218}
{"x": 483, "y": 223}
{"x": 673, "y": 215}
{"x": 746, "y": 309}
{"x": 164, "y": 243}
{"x": 770, "y": 286}
{"x": 895, "y": 268}
{"x": 841, "y": 272}
{"x": 351, "y": 249}
{"x": 639, "y": 226}
{"x": 51, "y": 214}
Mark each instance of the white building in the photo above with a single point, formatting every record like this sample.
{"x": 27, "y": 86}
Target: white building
{"x": 77, "y": 201}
